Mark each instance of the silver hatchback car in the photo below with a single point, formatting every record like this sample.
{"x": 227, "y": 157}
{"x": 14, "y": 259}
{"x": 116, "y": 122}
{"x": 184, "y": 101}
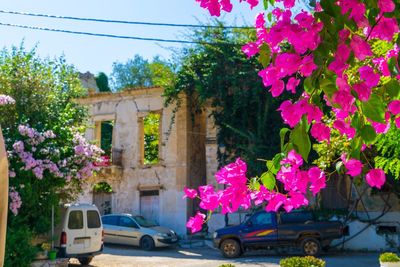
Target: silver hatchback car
{"x": 135, "y": 230}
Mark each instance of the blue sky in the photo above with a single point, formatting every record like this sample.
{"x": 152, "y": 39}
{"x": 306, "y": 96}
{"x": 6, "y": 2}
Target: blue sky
{"x": 96, "y": 54}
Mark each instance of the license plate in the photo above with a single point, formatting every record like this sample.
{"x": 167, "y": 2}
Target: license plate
{"x": 79, "y": 241}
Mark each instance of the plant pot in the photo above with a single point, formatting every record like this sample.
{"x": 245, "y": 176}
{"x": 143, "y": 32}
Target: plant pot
{"x": 52, "y": 255}
{"x": 390, "y": 264}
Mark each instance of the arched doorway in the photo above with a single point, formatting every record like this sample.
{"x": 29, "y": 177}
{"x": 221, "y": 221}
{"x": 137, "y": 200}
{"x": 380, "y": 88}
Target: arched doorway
{"x": 102, "y": 197}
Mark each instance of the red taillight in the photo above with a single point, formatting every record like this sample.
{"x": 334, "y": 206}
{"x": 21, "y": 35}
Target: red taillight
{"x": 63, "y": 239}
{"x": 102, "y": 236}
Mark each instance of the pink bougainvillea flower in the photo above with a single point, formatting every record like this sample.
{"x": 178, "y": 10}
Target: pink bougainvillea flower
{"x": 277, "y": 88}
{"x": 353, "y": 166}
{"x": 233, "y": 173}
{"x": 397, "y": 122}
{"x": 307, "y": 65}
{"x": 314, "y": 113}
{"x": 383, "y": 66}
{"x": 321, "y": 132}
{"x": 293, "y": 159}
{"x": 250, "y": 49}
{"x": 292, "y": 84}
{"x": 276, "y": 201}
{"x": 344, "y": 128}
{"x": 317, "y": 179}
{"x": 287, "y": 63}
{"x": 381, "y": 127}
{"x": 269, "y": 75}
{"x": 386, "y": 5}
{"x": 385, "y": 29}
{"x": 189, "y": 193}
{"x": 226, "y": 5}
{"x": 195, "y": 223}
{"x": 394, "y": 107}
{"x": 363, "y": 91}
{"x": 252, "y": 3}
{"x": 295, "y": 201}
{"x": 369, "y": 76}
{"x": 360, "y": 47}
{"x": 376, "y": 178}
{"x": 290, "y": 113}
{"x": 209, "y": 201}
{"x": 344, "y": 99}
{"x": 287, "y": 3}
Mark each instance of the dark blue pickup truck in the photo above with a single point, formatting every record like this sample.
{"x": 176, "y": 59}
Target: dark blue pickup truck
{"x": 264, "y": 230}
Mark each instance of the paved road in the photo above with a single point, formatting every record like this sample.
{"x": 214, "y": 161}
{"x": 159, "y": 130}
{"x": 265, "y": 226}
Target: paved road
{"x": 116, "y": 256}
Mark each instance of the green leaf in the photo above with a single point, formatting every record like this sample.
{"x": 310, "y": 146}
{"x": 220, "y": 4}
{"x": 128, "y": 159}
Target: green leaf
{"x": 393, "y": 88}
{"x": 356, "y": 145}
{"x": 368, "y": 134}
{"x": 301, "y": 140}
{"x": 338, "y": 166}
{"x": 254, "y": 183}
{"x": 268, "y": 180}
{"x": 328, "y": 86}
{"x": 282, "y": 134}
{"x": 308, "y": 85}
{"x": 265, "y": 2}
{"x": 265, "y": 55}
{"x": 392, "y": 62}
{"x": 374, "y": 109}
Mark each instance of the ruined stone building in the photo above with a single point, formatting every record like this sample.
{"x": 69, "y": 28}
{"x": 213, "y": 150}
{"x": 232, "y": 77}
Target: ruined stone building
{"x": 185, "y": 155}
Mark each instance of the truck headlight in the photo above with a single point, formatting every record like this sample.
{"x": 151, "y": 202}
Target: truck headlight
{"x": 215, "y": 234}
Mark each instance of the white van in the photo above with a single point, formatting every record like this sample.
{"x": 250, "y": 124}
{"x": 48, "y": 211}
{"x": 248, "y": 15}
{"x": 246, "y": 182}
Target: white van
{"x": 80, "y": 232}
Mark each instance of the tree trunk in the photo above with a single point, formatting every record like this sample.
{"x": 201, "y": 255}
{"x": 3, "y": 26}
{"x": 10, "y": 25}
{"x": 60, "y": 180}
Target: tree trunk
{"x": 3, "y": 197}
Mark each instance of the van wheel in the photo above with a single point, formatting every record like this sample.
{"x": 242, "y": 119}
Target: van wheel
{"x": 310, "y": 247}
{"x": 230, "y": 248}
{"x": 85, "y": 260}
{"x": 147, "y": 243}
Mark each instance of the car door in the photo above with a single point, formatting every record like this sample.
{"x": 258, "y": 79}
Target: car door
{"x": 260, "y": 229}
{"x": 111, "y": 228}
{"x": 129, "y": 231}
{"x": 93, "y": 230}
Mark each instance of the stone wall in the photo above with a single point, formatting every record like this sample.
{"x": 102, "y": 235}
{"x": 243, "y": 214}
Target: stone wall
{"x": 177, "y": 166}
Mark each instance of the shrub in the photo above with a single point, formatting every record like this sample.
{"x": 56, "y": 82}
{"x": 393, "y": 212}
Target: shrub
{"x": 307, "y": 261}
{"x": 388, "y": 257}
{"x": 19, "y": 251}
{"x": 226, "y": 265}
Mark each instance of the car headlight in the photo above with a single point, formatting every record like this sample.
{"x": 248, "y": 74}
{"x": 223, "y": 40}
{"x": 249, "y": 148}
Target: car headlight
{"x": 162, "y": 235}
{"x": 215, "y": 234}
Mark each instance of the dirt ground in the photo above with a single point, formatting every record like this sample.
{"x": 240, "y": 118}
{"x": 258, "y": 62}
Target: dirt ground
{"x": 114, "y": 256}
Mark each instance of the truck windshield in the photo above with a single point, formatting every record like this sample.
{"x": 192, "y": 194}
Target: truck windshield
{"x": 144, "y": 222}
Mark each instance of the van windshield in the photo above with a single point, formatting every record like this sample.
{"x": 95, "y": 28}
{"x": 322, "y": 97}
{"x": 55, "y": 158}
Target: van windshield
{"x": 144, "y": 222}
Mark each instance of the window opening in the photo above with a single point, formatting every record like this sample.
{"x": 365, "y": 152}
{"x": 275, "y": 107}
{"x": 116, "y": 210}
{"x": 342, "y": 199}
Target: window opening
{"x": 151, "y": 138}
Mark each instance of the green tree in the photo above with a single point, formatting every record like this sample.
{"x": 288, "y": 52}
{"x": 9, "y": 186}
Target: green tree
{"x": 139, "y": 72}
{"x": 245, "y": 112}
{"x": 102, "y": 82}
{"x": 43, "y": 90}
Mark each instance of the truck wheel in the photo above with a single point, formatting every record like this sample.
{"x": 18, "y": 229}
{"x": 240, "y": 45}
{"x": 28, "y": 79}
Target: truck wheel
{"x": 310, "y": 247}
{"x": 230, "y": 248}
{"x": 147, "y": 243}
{"x": 85, "y": 260}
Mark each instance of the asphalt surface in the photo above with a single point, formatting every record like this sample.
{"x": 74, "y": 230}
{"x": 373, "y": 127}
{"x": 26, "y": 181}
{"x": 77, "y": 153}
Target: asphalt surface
{"x": 115, "y": 255}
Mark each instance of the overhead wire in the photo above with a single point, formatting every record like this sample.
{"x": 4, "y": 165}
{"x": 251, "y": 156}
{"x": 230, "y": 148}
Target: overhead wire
{"x": 121, "y": 21}
{"x": 115, "y": 36}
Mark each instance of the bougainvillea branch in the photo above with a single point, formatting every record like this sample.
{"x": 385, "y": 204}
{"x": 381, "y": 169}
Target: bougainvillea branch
{"x": 344, "y": 57}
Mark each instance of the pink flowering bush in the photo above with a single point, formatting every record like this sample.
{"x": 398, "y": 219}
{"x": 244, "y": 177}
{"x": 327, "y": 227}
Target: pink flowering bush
{"x": 343, "y": 58}
{"x": 36, "y": 155}
{"x": 6, "y": 100}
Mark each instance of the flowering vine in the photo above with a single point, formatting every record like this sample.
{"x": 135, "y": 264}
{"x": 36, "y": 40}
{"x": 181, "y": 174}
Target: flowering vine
{"x": 344, "y": 56}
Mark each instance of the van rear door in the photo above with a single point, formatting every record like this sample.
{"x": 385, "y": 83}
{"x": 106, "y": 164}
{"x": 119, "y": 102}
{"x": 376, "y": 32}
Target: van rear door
{"x": 76, "y": 233}
{"x": 94, "y": 230}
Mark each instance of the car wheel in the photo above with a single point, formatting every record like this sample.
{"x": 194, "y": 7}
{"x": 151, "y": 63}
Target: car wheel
{"x": 147, "y": 243}
{"x": 310, "y": 247}
{"x": 85, "y": 260}
{"x": 230, "y": 248}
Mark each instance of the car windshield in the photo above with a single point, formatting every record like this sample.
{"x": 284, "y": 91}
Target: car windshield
{"x": 144, "y": 222}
